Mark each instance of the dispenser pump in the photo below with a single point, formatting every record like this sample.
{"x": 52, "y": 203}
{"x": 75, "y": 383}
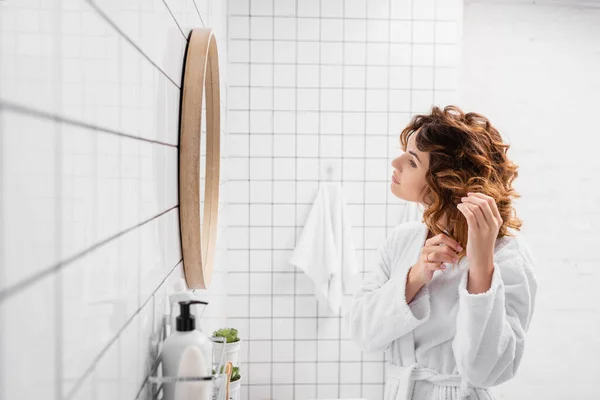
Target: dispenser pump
{"x": 185, "y": 321}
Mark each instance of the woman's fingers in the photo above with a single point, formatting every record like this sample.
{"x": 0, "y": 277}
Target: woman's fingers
{"x": 443, "y": 239}
{"x": 440, "y": 254}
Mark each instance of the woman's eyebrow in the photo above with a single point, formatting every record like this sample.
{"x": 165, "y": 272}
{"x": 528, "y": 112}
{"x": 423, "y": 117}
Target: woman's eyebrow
{"x": 414, "y": 154}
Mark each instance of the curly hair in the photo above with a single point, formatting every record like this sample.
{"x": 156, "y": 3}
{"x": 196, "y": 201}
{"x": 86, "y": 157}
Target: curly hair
{"x": 467, "y": 154}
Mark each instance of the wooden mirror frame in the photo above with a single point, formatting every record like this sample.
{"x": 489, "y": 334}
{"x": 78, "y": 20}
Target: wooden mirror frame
{"x": 201, "y": 74}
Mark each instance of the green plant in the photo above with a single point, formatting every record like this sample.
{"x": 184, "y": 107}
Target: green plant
{"x": 235, "y": 373}
{"x": 230, "y": 334}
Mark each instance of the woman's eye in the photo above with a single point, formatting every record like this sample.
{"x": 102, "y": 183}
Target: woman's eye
{"x": 413, "y": 164}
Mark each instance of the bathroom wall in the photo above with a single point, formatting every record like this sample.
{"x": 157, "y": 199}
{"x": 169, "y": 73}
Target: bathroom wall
{"x": 89, "y": 225}
{"x": 316, "y": 84}
{"x": 531, "y": 68}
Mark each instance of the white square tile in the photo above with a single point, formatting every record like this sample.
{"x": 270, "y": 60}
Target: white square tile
{"x": 263, "y": 7}
{"x": 350, "y": 372}
{"x": 285, "y": 7}
{"x": 331, "y": 76}
{"x": 239, "y": 98}
{"x": 261, "y": 51}
{"x": 283, "y": 169}
{"x": 355, "y": 8}
{"x": 308, "y": 8}
{"x": 332, "y": 53}
{"x": 261, "y": 145}
{"x": 372, "y": 372}
{"x": 239, "y": 7}
{"x": 355, "y": 76}
{"x": 27, "y": 376}
{"x": 421, "y": 101}
{"x": 283, "y": 238}
{"x": 399, "y": 100}
{"x": 378, "y": 30}
{"x": 400, "y": 54}
{"x": 283, "y": 328}
{"x": 306, "y": 350}
{"x": 447, "y": 32}
{"x": 308, "y": 99}
{"x": 261, "y": 75}
{"x": 283, "y": 391}
{"x": 260, "y": 238}
{"x": 308, "y": 52}
{"x": 423, "y": 31}
{"x": 328, "y": 372}
{"x": 422, "y": 77}
{"x": 327, "y": 350}
{"x": 261, "y": 98}
{"x": 331, "y": 100}
{"x": 305, "y": 372}
{"x": 354, "y": 123}
{"x": 446, "y": 78}
{"x": 308, "y": 28}
{"x": 378, "y": 9}
{"x": 332, "y": 8}
{"x": 424, "y": 9}
{"x": 284, "y": 145}
{"x": 331, "y": 122}
{"x": 285, "y": 52}
{"x": 423, "y": 54}
{"x": 284, "y": 121}
{"x": 284, "y": 192}
{"x": 306, "y": 328}
{"x": 260, "y": 306}
{"x": 331, "y": 146}
{"x": 283, "y": 283}
{"x": 377, "y": 124}
{"x": 260, "y": 214}
{"x": 238, "y": 50}
{"x": 284, "y": 375}
{"x": 259, "y": 351}
{"x": 307, "y": 76}
{"x": 237, "y": 191}
{"x": 261, "y": 192}
{"x": 239, "y": 27}
{"x": 260, "y": 328}
{"x": 285, "y": 75}
{"x": 376, "y": 146}
{"x": 401, "y": 9}
{"x": 285, "y": 28}
{"x": 307, "y": 146}
{"x": 238, "y": 121}
{"x": 446, "y": 55}
{"x": 354, "y": 100}
{"x": 332, "y": 29}
{"x": 377, "y": 100}
{"x": 261, "y": 122}
{"x": 237, "y": 238}
{"x": 261, "y": 168}
{"x": 283, "y": 351}
{"x": 400, "y": 77}
{"x": 401, "y": 31}
{"x": 307, "y": 122}
{"x": 377, "y": 77}
{"x": 355, "y": 30}
{"x": 261, "y": 28}
{"x": 284, "y": 99}
{"x": 306, "y": 306}
{"x": 355, "y": 53}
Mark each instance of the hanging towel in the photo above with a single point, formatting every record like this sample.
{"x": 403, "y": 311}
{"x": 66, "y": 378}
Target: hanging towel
{"x": 325, "y": 251}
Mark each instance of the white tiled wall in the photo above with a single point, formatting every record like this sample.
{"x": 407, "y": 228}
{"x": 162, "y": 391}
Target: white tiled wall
{"x": 89, "y": 221}
{"x": 313, "y": 84}
{"x": 531, "y": 68}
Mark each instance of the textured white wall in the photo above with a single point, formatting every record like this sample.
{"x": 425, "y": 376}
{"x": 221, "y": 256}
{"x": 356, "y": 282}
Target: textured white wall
{"x": 89, "y": 221}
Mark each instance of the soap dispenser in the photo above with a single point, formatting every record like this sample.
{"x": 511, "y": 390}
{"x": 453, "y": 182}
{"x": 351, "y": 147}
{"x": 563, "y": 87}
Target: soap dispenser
{"x": 187, "y": 352}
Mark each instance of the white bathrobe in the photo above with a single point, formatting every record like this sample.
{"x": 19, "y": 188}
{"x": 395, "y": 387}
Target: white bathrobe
{"x": 447, "y": 343}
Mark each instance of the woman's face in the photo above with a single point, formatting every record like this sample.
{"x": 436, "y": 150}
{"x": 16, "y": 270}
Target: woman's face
{"x": 409, "y": 171}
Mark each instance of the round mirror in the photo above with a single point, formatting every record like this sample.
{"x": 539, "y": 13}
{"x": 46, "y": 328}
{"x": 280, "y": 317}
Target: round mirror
{"x": 199, "y": 157}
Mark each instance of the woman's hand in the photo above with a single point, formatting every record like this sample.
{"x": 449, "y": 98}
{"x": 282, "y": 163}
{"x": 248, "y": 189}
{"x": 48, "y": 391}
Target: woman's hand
{"x": 437, "y": 250}
{"x": 484, "y": 221}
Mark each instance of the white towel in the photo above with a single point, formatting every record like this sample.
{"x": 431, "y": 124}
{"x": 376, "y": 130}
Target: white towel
{"x": 325, "y": 251}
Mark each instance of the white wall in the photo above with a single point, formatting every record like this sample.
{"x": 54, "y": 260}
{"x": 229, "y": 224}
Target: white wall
{"x": 89, "y": 229}
{"x": 533, "y": 70}
{"x": 312, "y": 84}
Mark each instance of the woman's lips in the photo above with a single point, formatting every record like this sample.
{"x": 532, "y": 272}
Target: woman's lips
{"x": 395, "y": 180}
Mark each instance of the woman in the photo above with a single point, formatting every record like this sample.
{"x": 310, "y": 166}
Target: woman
{"x": 449, "y": 333}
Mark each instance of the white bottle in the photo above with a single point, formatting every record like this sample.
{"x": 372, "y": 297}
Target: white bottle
{"x": 187, "y": 352}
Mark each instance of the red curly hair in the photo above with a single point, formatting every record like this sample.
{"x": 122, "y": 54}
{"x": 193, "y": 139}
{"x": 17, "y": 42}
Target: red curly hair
{"x": 467, "y": 154}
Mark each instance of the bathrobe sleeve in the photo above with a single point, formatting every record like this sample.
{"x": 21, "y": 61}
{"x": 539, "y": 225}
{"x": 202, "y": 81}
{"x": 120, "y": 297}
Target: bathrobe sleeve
{"x": 379, "y": 313}
{"x": 490, "y": 326}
